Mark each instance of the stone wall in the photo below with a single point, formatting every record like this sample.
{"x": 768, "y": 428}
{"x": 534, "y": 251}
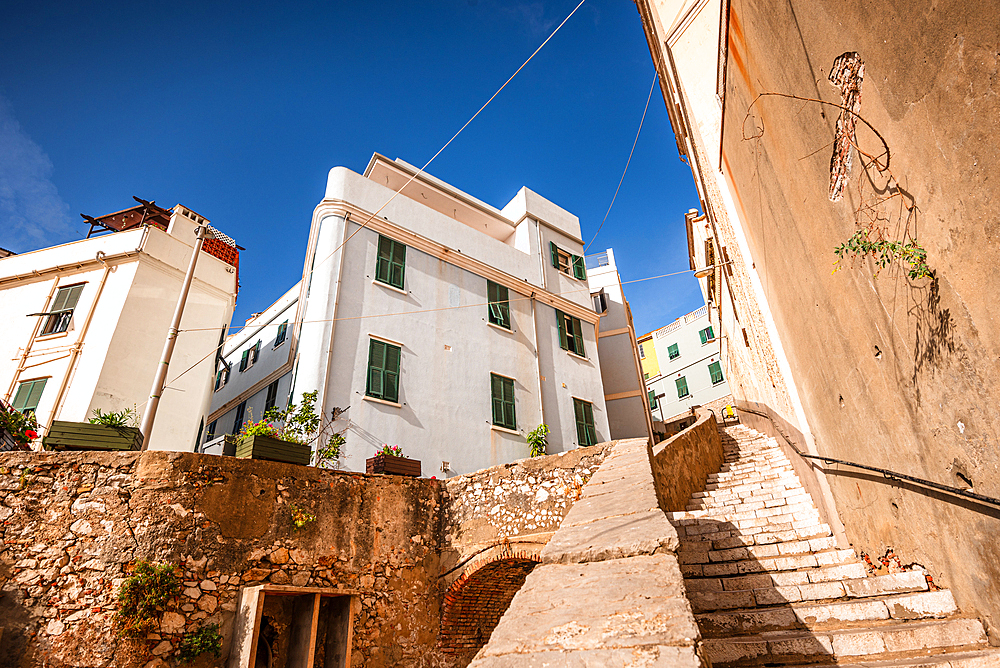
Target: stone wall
{"x": 681, "y": 464}
{"x": 73, "y": 524}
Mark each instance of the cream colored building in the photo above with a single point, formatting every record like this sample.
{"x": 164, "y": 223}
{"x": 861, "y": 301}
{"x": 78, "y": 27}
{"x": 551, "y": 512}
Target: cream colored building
{"x": 85, "y": 322}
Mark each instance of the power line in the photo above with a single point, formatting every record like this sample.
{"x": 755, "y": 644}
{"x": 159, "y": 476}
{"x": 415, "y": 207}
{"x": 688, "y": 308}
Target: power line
{"x": 648, "y": 98}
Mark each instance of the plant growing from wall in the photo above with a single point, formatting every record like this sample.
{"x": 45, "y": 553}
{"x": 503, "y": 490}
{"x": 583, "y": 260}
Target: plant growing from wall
{"x": 300, "y": 517}
{"x": 538, "y": 440}
{"x": 328, "y": 456}
{"x": 142, "y": 598}
{"x": 128, "y": 417}
{"x": 885, "y": 252}
{"x": 205, "y": 640}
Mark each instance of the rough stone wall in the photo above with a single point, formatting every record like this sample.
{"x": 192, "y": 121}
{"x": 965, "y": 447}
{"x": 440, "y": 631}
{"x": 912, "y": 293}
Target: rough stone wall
{"x": 681, "y": 464}
{"x": 71, "y": 524}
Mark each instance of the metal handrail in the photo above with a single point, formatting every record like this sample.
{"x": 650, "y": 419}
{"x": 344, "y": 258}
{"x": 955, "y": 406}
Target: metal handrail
{"x": 885, "y": 472}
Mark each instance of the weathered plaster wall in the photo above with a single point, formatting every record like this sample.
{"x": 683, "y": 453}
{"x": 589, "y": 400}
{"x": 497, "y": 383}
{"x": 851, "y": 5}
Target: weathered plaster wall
{"x": 72, "y": 523}
{"x": 892, "y": 372}
{"x": 681, "y": 464}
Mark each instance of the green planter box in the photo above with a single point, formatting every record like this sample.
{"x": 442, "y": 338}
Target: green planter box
{"x": 265, "y": 447}
{"x": 86, "y": 436}
{"x": 383, "y": 463}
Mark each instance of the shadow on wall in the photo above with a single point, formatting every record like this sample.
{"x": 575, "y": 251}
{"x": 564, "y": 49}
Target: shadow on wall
{"x": 935, "y": 331}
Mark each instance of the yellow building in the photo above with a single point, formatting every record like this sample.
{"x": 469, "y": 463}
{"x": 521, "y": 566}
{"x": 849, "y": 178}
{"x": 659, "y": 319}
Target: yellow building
{"x": 647, "y": 356}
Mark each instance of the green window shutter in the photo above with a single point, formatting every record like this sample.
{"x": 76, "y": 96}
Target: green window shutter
{"x": 383, "y": 371}
{"x": 652, "y": 399}
{"x": 588, "y": 415}
{"x": 282, "y": 331}
{"x": 578, "y": 338}
{"x": 579, "y": 268}
{"x": 398, "y": 265}
{"x": 376, "y": 364}
{"x": 28, "y": 395}
{"x": 384, "y": 259}
{"x": 392, "y": 358}
{"x": 502, "y": 394}
{"x": 554, "y": 252}
{"x": 682, "y": 387}
{"x": 673, "y": 352}
{"x": 581, "y": 426}
{"x": 561, "y": 322}
{"x": 715, "y": 369}
{"x": 706, "y": 334}
{"x": 244, "y": 360}
{"x": 499, "y": 304}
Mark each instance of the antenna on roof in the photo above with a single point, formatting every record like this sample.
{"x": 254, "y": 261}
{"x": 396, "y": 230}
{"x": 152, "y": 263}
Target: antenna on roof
{"x": 142, "y": 201}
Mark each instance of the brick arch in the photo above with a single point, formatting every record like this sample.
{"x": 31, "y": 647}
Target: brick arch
{"x": 475, "y": 601}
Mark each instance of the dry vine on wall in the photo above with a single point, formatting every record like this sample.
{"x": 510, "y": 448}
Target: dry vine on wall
{"x": 885, "y": 218}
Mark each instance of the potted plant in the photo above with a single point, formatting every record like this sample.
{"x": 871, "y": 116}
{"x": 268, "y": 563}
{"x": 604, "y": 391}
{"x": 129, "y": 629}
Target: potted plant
{"x": 390, "y": 459}
{"x": 17, "y": 429}
{"x": 105, "y": 431}
{"x": 285, "y": 436}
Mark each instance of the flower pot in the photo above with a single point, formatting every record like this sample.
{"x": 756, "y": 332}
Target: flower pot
{"x": 276, "y": 450}
{"x": 86, "y": 436}
{"x": 383, "y": 463}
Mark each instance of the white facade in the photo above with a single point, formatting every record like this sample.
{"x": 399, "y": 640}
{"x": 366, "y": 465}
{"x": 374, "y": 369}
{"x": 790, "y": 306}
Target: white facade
{"x": 686, "y": 352}
{"x": 127, "y": 284}
{"x": 438, "y": 320}
{"x": 624, "y": 391}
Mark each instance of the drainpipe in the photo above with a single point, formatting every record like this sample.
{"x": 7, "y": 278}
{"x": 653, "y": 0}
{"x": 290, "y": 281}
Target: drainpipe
{"x": 200, "y": 233}
{"x": 538, "y": 360}
{"x": 31, "y": 341}
{"x": 74, "y": 352}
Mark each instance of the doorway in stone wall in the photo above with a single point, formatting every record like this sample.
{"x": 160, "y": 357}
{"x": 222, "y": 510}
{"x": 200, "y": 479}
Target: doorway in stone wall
{"x": 293, "y": 627}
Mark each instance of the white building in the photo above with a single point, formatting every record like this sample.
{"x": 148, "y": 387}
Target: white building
{"x": 621, "y": 372}
{"x": 85, "y": 322}
{"x": 441, "y": 324}
{"x": 682, "y": 365}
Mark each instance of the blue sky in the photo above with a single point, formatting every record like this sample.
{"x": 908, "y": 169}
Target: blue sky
{"x": 238, "y": 111}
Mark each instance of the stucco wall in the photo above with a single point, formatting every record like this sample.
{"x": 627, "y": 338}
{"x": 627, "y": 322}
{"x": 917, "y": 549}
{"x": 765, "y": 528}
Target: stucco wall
{"x": 73, "y": 522}
{"x": 681, "y": 464}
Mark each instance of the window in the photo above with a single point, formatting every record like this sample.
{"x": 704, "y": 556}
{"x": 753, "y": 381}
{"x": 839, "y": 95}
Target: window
{"x": 673, "y": 351}
{"x": 280, "y": 336}
{"x": 715, "y": 368}
{"x": 250, "y": 356}
{"x": 645, "y": 376}
{"x": 600, "y": 301}
{"x": 567, "y": 263}
{"x": 652, "y": 399}
{"x": 211, "y": 430}
{"x": 499, "y": 304}
{"x": 642, "y": 353}
{"x": 383, "y": 371}
{"x": 272, "y": 396}
{"x": 502, "y": 391}
{"x": 706, "y": 335}
{"x": 585, "y": 432}
{"x": 221, "y": 378}
{"x": 682, "y": 387}
{"x": 28, "y": 395}
{"x": 61, "y": 310}
{"x": 391, "y": 263}
{"x": 241, "y": 412}
{"x": 570, "y": 333}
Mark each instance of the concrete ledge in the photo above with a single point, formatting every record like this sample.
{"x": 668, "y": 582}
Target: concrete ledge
{"x": 612, "y": 538}
{"x": 602, "y": 606}
{"x": 647, "y": 656}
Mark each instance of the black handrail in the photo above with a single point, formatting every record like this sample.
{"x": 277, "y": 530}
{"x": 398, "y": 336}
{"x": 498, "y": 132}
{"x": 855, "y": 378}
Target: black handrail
{"x": 885, "y": 472}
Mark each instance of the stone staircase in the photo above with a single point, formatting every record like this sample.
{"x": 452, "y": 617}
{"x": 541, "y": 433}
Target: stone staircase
{"x": 769, "y": 586}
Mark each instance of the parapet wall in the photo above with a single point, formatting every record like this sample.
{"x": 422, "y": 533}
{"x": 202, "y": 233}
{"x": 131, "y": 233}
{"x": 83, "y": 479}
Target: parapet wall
{"x": 681, "y": 464}
{"x": 71, "y": 524}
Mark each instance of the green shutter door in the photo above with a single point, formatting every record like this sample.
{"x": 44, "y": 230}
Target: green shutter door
{"x": 561, "y": 322}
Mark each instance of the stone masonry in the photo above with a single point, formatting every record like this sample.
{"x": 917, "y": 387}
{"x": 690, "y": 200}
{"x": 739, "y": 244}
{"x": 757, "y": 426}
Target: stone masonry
{"x": 769, "y": 586}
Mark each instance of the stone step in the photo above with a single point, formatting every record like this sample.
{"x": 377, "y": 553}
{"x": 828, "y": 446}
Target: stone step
{"x": 921, "y": 605}
{"x": 711, "y": 594}
{"x": 761, "y": 535}
{"x": 989, "y": 658}
{"x": 891, "y": 640}
{"x": 704, "y": 552}
{"x": 805, "y": 563}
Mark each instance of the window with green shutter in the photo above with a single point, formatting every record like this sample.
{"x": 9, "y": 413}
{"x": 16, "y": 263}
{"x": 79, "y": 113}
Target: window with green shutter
{"x": 29, "y": 393}
{"x": 652, "y": 399}
{"x": 62, "y": 309}
{"x": 391, "y": 263}
{"x": 502, "y": 391}
{"x": 682, "y": 387}
{"x": 282, "y": 332}
{"x": 673, "y": 351}
{"x": 706, "y": 335}
{"x": 383, "y": 371}
{"x": 715, "y": 368}
{"x": 499, "y": 304}
{"x": 585, "y": 432}
{"x": 570, "y": 333}
{"x": 567, "y": 263}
